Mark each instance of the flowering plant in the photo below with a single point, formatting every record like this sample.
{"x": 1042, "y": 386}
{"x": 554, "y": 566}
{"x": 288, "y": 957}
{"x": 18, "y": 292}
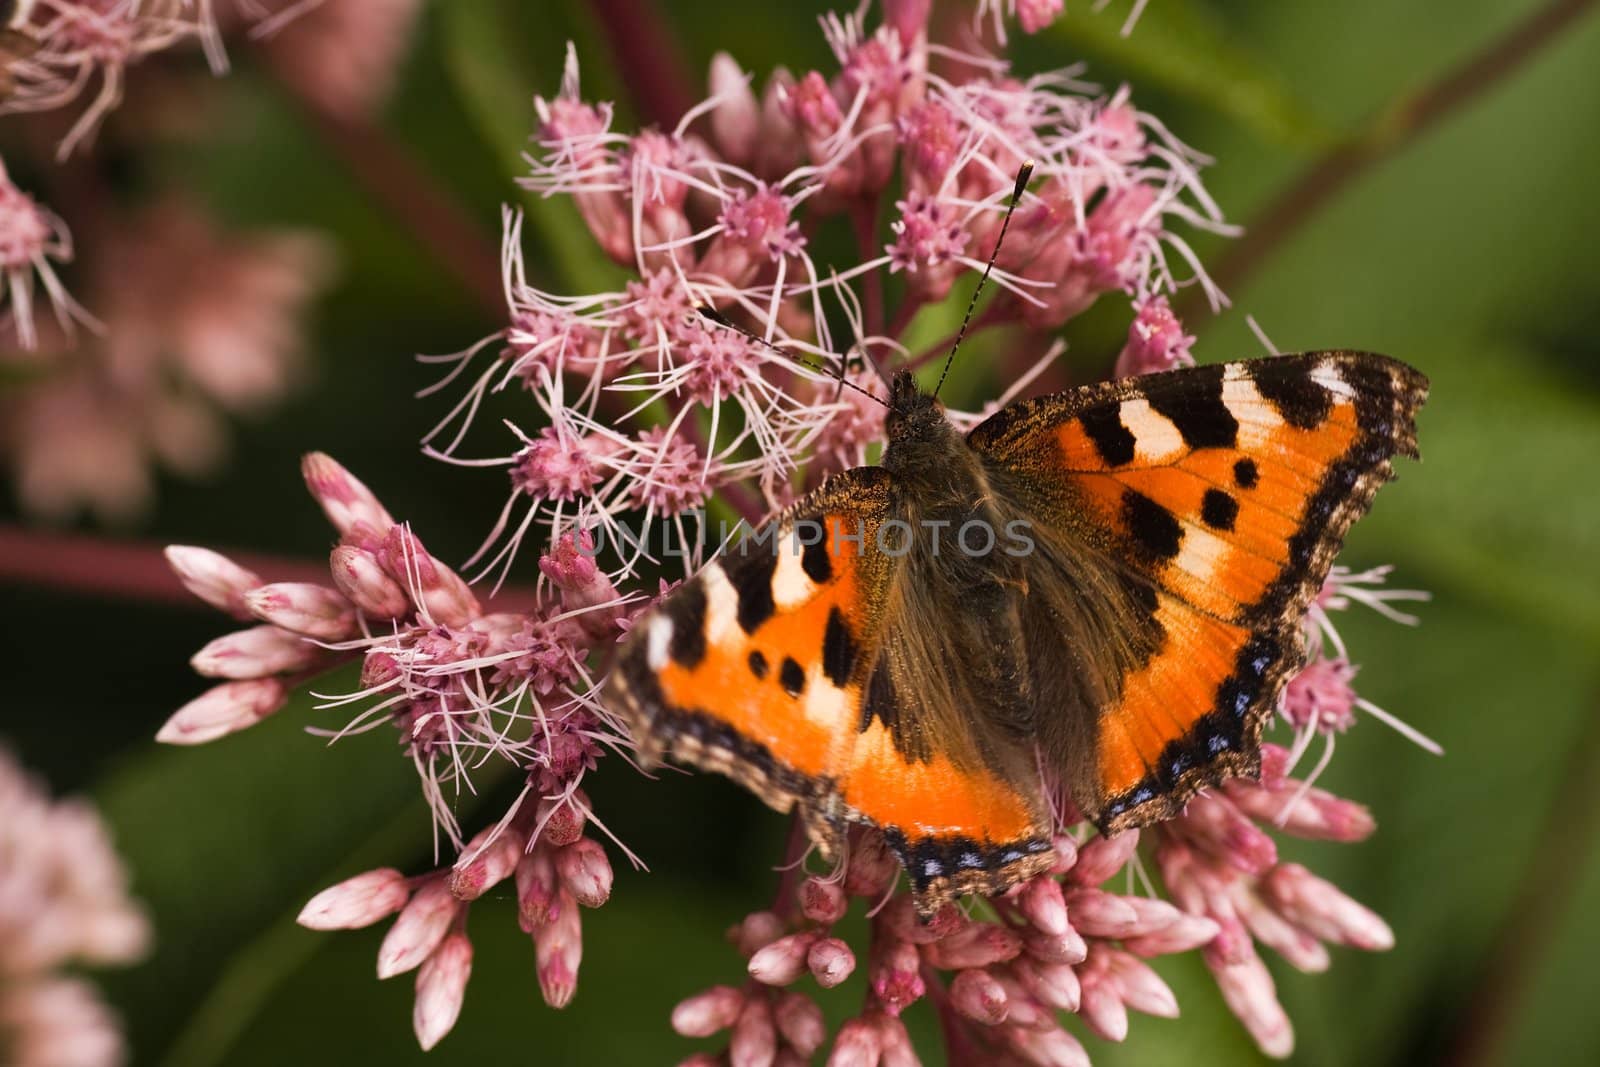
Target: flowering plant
{"x": 642, "y": 412}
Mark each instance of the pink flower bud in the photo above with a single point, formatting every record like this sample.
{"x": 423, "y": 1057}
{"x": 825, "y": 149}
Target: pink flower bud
{"x": 343, "y": 498}
{"x": 1185, "y": 933}
{"x": 439, "y": 593}
{"x": 1059, "y": 948}
{"x": 1099, "y": 914}
{"x": 304, "y": 608}
{"x": 1154, "y": 915}
{"x": 356, "y": 902}
{"x": 222, "y": 710}
{"x": 255, "y": 653}
{"x": 1066, "y": 853}
{"x": 871, "y": 868}
{"x": 1047, "y": 1047}
{"x": 822, "y": 900}
{"x": 1104, "y": 856}
{"x": 441, "y": 985}
{"x": 1101, "y": 1006}
{"x": 755, "y": 931}
{"x": 1021, "y": 1009}
{"x": 755, "y": 1039}
{"x": 213, "y": 577}
{"x": 1310, "y": 813}
{"x": 977, "y": 995}
{"x": 709, "y": 1012}
{"x": 1247, "y": 988}
{"x": 977, "y": 945}
{"x": 736, "y": 118}
{"x": 1216, "y": 825}
{"x": 909, "y": 18}
{"x": 585, "y": 871}
{"x": 783, "y": 961}
{"x": 1054, "y": 985}
{"x": 1141, "y": 988}
{"x": 584, "y": 586}
{"x": 420, "y": 928}
{"x": 857, "y": 1045}
{"x": 560, "y": 819}
{"x": 487, "y": 860}
{"x": 895, "y": 1043}
{"x": 830, "y": 962}
{"x": 559, "y": 949}
{"x": 360, "y": 577}
{"x": 800, "y": 1022}
{"x": 536, "y": 890}
{"x": 896, "y": 976}
{"x": 1156, "y": 341}
{"x": 1318, "y": 907}
{"x": 1035, "y": 15}
{"x": 1303, "y": 951}
{"x": 1042, "y": 904}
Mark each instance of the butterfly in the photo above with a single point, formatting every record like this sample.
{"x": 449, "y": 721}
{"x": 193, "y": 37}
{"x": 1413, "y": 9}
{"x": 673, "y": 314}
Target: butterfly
{"x": 1099, "y": 590}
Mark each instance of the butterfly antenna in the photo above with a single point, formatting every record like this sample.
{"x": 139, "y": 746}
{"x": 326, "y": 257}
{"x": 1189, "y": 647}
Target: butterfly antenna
{"x": 706, "y": 311}
{"x": 1023, "y": 175}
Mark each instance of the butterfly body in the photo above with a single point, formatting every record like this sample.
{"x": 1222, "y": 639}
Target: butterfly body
{"x": 1093, "y": 596}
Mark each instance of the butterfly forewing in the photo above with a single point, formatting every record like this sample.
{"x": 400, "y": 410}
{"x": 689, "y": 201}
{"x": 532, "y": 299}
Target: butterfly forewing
{"x": 1227, "y": 491}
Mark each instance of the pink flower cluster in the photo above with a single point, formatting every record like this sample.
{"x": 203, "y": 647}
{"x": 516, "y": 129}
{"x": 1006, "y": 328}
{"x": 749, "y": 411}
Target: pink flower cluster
{"x": 643, "y": 410}
{"x": 63, "y": 902}
{"x": 464, "y": 687}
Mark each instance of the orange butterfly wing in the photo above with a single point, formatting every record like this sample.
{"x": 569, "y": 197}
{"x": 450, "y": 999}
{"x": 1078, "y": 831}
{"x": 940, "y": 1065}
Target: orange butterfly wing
{"x": 769, "y": 666}
{"x": 1225, "y": 491}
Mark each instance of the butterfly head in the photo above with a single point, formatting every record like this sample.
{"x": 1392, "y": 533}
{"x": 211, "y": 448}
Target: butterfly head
{"x": 912, "y": 412}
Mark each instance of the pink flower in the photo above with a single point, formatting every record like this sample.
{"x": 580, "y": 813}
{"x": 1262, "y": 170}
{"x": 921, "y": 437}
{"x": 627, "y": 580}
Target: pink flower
{"x": 32, "y": 240}
{"x": 63, "y": 902}
{"x": 75, "y": 42}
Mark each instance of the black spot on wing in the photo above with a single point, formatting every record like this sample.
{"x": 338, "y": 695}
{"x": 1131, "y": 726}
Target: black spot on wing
{"x": 758, "y": 664}
{"x": 1154, "y": 530}
{"x": 1219, "y": 509}
{"x": 792, "y": 677}
{"x": 686, "y": 608}
{"x": 1288, "y": 387}
{"x": 1245, "y": 474}
{"x": 815, "y": 562}
{"x": 1197, "y": 410}
{"x": 839, "y": 649}
{"x": 1111, "y": 439}
{"x": 751, "y": 576}
{"x": 880, "y": 702}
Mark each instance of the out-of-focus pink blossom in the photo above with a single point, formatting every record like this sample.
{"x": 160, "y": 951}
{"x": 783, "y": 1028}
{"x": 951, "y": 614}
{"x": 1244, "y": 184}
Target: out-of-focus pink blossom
{"x": 63, "y": 902}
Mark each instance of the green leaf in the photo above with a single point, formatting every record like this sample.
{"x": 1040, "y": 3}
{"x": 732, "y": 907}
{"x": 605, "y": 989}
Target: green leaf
{"x": 496, "y": 84}
{"x": 224, "y": 838}
{"x": 1185, "y": 47}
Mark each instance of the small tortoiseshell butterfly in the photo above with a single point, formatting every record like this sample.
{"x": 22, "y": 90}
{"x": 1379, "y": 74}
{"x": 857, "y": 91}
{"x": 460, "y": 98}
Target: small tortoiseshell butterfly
{"x": 1152, "y": 544}
{"x": 1099, "y": 590}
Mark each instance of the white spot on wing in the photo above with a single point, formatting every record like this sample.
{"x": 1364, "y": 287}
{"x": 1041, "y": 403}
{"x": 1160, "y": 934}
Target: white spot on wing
{"x": 825, "y": 703}
{"x": 657, "y": 639}
{"x": 1327, "y": 375}
{"x": 791, "y": 586}
{"x": 1257, "y": 419}
{"x": 722, "y": 606}
{"x": 1155, "y": 438}
{"x": 1201, "y": 553}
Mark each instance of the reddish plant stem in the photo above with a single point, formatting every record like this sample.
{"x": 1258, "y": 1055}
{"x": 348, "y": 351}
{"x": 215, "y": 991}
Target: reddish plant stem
{"x": 397, "y": 182}
{"x": 647, "y": 58}
{"x": 136, "y": 570}
{"x": 864, "y": 221}
{"x": 1401, "y": 124}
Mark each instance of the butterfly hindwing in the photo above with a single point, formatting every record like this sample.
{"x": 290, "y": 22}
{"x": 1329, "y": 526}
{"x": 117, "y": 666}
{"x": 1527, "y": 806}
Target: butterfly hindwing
{"x": 1220, "y": 494}
{"x": 785, "y": 664}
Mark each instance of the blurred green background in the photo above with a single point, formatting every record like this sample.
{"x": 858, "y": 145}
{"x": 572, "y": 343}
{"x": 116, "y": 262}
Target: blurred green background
{"x": 1472, "y": 253}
